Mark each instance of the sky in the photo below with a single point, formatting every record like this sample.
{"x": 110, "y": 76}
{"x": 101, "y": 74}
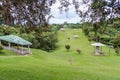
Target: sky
{"x": 61, "y": 17}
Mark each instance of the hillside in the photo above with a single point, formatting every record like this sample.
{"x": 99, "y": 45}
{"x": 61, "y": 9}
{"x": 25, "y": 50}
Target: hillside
{"x": 57, "y": 65}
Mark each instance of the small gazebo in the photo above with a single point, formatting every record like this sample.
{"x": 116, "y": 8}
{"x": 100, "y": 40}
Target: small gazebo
{"x": 16, "y": 40}
{"x": 98, "y": 48}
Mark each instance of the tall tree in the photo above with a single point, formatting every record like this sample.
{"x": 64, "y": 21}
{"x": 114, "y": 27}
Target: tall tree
{"x": 34, "y": 12}
{"x": 98, "y": 12}
{"x": 30, "y": 12}
{"x": 5, "y": 12}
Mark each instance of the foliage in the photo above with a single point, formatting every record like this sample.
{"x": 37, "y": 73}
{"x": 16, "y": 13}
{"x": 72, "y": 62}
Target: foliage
{"x": 117, "y": 50}
{"x": 36, "y": 11}
{"x": 67, "y": 46}
{"x": 87, "y": 27}
{"x": 54, "y": 28}
{"x": 38, "y": 36}
{"x": 106, "y": 34}
{"x": 78, "y": 51}
{"x": 6, "y": 30}
{"x": 30, "y": 37}
{"x": 109, "y": 35}
{"x": 31, "y": 13}
{"x": 45, "y": 40}
{"x": 72, "y": 25}
{"x": 48, "y": 41}
{"x": 106, "y": 39}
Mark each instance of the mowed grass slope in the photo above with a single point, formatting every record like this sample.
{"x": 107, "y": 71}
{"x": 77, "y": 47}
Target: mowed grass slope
{"x": 57, "y": 65}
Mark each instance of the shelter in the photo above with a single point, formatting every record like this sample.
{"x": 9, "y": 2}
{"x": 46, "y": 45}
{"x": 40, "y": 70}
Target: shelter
{"x": 16, "y": 40}
{"x": 98, "y": 48}
{"x": 75, "y": 36}
{"x": 65, "y": 26}
{"x": 62, "y": 29}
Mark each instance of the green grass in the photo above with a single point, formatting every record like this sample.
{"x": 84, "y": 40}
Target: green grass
{"x": 55, "y": 65}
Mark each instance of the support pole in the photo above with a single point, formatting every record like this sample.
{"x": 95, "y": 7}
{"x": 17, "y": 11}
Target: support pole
{"x": 0, "y": 42}
{"x": 22, "y": 49}
{"x": 29, "y": 49}
{"x": 95, "y": 50}
{"x": 9, "y": 45}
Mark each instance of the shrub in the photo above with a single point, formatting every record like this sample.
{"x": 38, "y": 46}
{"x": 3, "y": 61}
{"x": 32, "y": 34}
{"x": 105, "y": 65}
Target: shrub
{"x": 48, "y": 41}
{"x": 106, "y": 39}
{"x": 117, "y": 51}
{"x": 67, "y": 46}
{"x": 89, "y": 39}
{"x": 6, "y": 30}
{"x": 54, "y": 28}
{"x": 72, "y": 25}
{"x": 79, "y": 51}
{"x": 30, "y": 37}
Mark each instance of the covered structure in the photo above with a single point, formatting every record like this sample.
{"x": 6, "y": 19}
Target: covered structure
{"x": 98, "y": 48}
{"x": 16, "y": 40}
{"x": 75, "y": 36}
{"x": 62, "y": 29}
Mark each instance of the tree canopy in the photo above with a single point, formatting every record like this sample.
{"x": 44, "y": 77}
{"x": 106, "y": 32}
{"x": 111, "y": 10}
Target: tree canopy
{"x": 34, "y": 12}
{"x": 31, "y": 12}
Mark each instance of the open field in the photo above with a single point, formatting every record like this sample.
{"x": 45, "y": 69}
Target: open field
{"x": 62, "y": 64}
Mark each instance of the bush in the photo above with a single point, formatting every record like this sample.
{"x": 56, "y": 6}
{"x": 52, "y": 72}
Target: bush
{"x": 30, "y": 37}
{"x": 117, "y": 50}
{"x": 54, "y": 28}
{"x": 106, "y": 39}
{"x": 67, "y": 46}
{"x": 6, "y": 30}
{"x": 74, "y": 25}
{"x": 47, "y": 41}
{"x": 79, "y": 51}
{"x": 89, "y": 39}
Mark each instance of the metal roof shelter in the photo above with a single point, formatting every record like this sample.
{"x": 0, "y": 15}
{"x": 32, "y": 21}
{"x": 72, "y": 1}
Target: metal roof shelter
{"x": 97, "y": 48}
{"x": 15, "y": 39}
{"x": 97, "y": 44}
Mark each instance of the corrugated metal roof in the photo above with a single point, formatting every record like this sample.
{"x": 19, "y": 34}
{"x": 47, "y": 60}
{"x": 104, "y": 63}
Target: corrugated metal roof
{"x": 97, "y": 44}
{"x": 15, "y": 39}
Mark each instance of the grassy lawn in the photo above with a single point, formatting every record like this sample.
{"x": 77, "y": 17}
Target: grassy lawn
{"x": 56, "y": 65}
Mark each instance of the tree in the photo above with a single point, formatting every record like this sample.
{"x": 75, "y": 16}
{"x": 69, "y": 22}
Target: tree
{"x": 5, "y": 12}
{"x": 99, "y": 12}
{"x": 34, "y": 12}
{"x": 29, "y": 12}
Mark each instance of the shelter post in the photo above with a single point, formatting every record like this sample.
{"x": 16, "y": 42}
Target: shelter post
{"x": 22, "y": 49}
{"x": 0, "y": 42}
{"x": 9, "y": 45}
{"x": 29, "y": 48}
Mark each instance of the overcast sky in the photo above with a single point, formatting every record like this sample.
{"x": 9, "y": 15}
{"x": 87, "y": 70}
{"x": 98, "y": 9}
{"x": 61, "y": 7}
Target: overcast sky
{"x": 61, "y": 17}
